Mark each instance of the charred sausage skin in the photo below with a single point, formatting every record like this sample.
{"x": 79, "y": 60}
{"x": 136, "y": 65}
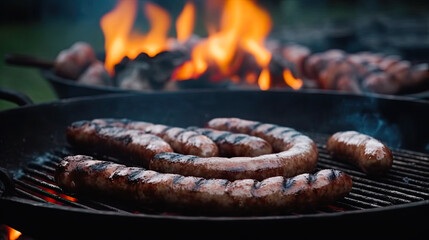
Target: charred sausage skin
{"x": 296, "y": 154}
{"x": 181, "y": 140}
{"x": 363, "y": 151}
{"x": 118, "y": 142}
{"x": 84, "y": 175}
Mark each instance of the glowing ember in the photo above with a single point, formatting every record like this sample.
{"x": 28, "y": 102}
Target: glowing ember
{"x": 294, "y": 83}
{"x": 121, "y": 41}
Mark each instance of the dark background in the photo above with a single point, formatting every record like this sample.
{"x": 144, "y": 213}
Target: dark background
{"x": 42, "y": 28}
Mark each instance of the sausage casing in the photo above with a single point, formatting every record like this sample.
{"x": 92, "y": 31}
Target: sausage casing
{"x": 130, "y": 144}
{"x": 365, "y": 152}
{"x": 84, "y": 175}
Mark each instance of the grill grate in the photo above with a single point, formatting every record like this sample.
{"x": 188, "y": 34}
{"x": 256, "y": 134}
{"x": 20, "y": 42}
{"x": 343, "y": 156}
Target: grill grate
{"x": 407, "y": 181}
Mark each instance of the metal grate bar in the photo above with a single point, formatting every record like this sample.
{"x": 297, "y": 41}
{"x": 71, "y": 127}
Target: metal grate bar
{"x": 49, "y": 195}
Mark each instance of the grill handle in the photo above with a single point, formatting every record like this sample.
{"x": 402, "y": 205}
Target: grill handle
{"x": 16, "y": 97}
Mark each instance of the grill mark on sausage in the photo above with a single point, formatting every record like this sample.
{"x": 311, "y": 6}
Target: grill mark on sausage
{"x": 256, "y": 125}
{"x": 220, "y": 137}
{"x": 133, "y": 176}
{"x": 101, "y": 166}
{"x": 287, "y": 183}
{"x": 270, "y": 129}
{"x": 334, "y": 174}
{"x": 238, "y": 139}
{"x": 311, "y": 178}
{"x": 199, "y": 183}
{"x": 124, "y": 139}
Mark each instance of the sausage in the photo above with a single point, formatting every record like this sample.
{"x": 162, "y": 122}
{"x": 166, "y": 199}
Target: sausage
{"x": 235, "y": 144}
{"x": 181, "y": 140}
{"x": 296, "y": 154}
{"x": 84, "y": 175}
{"x": 118, "y": 142}
{"x": 72, "y": 62}
{"x": 365, "y": 152}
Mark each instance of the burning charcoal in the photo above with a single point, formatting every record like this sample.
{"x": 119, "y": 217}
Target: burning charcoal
{"x": 145, "y": 72}
{"x": 95, "y": 75}
{"x": 70, "y": 63}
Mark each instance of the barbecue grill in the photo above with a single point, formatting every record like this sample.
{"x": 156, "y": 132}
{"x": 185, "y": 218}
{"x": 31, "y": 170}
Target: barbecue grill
{"x": 33, "y": 142}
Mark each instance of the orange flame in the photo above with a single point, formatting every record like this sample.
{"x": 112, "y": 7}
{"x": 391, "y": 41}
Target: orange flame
{"x": 264, "y": 79}
{"x": 13, "y": 234}
{"x": 121, "y": 41}
{"x": 243, "y": 27}
{"x": 290, "y": 80}
{"x": 185, "y": 22}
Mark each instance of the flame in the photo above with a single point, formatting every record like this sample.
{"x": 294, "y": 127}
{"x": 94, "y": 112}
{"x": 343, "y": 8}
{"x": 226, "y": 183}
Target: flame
{"x": 243, "y": 27}
{"x": 121, "y": 41}
{"x": 294, "y": 83}
{"x": 13, "y": 234}
{"x": 264, "y": 79}
{"x": 185, "y": 22}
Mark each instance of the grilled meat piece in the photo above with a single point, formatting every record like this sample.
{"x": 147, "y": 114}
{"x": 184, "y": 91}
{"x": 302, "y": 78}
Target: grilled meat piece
{"x": 84, "y": 175}
{"x": 365, "y": 152}
{"x": 134, "y": 145}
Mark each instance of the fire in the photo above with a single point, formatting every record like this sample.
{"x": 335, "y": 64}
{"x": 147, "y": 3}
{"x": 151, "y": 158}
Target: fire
{"x": 185, "y": 22}
{"x": 13, "y": 234}
{"x": 294, "y": 83}
{"x": 243, "y": 27}
{"x": 238, "y": 37}
{"x": 264, "y": 79}
{"x": 121, "y": 41}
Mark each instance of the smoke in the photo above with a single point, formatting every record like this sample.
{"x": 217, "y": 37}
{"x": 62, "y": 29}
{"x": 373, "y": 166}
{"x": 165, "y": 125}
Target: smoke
{"x": 367, "y": 116}
{"x": 374, "y": 125}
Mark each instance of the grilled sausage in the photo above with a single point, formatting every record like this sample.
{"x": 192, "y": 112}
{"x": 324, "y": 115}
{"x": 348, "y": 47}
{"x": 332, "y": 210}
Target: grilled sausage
{"x": 133, "y": 145}
{"x": 369, "y": 154}
{"x": 70, "y": 63}
{"x": 297, "y": 154}
{"x": 275, "y": 195}
{"x": 235, "y": 144}
{"x": 181, "y": 140}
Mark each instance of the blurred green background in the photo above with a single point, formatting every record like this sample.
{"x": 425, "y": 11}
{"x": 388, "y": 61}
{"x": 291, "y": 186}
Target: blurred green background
{"x": 42, "y": 28}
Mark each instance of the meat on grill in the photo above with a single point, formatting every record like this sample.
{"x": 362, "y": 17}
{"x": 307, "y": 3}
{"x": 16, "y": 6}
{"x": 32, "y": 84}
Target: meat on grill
{"x": 84, "y": 175}
{"x": 357, "y": 72}
{"x": 296, "y": 154}
{"x": 235, "y": 144}
{"x": 369, "y": 154}
{"x": 72, "y": 62}
{"x": 133, "y": 145}
{"x": 181, "y": 140}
